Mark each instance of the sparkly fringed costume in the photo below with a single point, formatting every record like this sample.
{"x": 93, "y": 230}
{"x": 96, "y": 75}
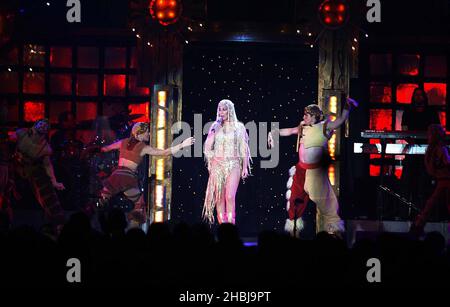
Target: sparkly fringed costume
{"x": 228, "y": 151}
{"x": 310, "y": 181}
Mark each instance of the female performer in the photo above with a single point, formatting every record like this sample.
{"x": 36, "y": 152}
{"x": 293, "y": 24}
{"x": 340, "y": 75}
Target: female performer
{"x": 228, "y": 159}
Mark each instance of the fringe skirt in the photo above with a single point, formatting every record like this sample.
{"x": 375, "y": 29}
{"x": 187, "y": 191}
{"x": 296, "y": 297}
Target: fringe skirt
{"x": 219, "y": 170}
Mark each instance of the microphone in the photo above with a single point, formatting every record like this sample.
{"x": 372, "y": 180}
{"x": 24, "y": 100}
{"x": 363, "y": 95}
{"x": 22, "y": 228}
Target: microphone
{"x": 218, "y": 122}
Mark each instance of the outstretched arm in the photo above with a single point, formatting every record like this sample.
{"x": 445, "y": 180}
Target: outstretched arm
{"x": 148, "y": 150}
{"x": 344, "y": 116}
{"x": 281, "y": 132}
{"x": 113, "y": 146}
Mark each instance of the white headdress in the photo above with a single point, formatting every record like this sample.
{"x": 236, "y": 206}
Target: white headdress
{"x": 232, "y": 118}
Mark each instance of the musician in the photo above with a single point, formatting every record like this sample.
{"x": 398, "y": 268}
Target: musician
{"x": 416, "y": 183}
{"x": 437, "y": 162}
{"x": 32, "y": 162}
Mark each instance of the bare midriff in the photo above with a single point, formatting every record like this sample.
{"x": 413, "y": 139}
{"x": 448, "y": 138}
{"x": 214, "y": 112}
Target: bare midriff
{"x": 128, "y": 164}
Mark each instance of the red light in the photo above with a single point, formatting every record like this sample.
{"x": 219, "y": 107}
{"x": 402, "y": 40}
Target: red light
{"x": 33, "y": 111}
{"x": 341, "y": 8}
{"x": 340, "y": 18}
{"x": 327, "y": 20}
{"x": 165, "y": 12}
{"x": 326, "y": 8}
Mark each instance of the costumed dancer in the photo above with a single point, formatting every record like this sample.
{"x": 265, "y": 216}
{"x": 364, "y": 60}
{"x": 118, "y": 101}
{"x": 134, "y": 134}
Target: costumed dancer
{"x": 125, "y": 178}
{"x": 309, "y": 178}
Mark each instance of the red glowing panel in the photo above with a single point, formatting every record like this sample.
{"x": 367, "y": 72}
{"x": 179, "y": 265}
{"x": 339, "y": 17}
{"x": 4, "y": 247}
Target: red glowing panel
{"x": 87, "y": 85}
{"x": 88, "y": 57}
{"x": 58, "y": 107}
{"x": 374, "y": 170}
{"x": 33, "y": 111}
{"x": 436, "y": 93}
{"x": 435, "y": 66}
{"x": 398, "y": 171}
{"x": 380, "y": 64}
{"x": 380, "y": 92}
{"x": 115, "y": 58}
{"x": 135, "y": 89}
{"x": 409, "y": 64}
{"x": 86, "y": 111}
{"x": 405, "y": 92}
{"x": 61, "y": 57}
{"x": 33, "y": 83}
{"x": 140, "y": 108}
{"x": 61, "y": 84}
{"x": 380, "y": 119}
{"x": 114, "y": 85}
{"x": 9, "y": 82}
{"x": 443, "y": 119}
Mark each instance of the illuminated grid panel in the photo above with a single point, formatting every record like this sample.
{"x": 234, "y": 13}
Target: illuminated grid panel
{"x": 33, "y": 110}
{"x": 380, "y": 92}
{"x": 114, "y": 85}
{"x": 408, "y": 64}
{"x": 33, "y": 83}
{"x": 61, "y": 57}
{"x": 436, "y": 92}
{"x": 140, "y": 108}
{"x": 380, "y": 119}
{"x": 86, "y": 111}
{"x": 404, "y": 92}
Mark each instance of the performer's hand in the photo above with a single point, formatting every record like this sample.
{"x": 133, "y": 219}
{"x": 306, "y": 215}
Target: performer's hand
{"x": 352, "y": 102}
{"x": 188, "y": 142}
{"x": 59, "y": 186}
{"x": 270, "y": 140}
{"x": 244, "y": 173}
